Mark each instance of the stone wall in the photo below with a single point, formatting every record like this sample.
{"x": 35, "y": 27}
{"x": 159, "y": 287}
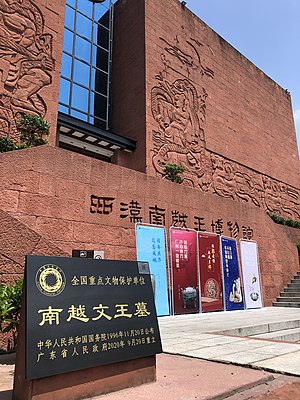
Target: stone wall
{"x": 128, "y": 82}
{"x": 16, "y": 241}
{"x": 76, "y": 202}
{"x": 188, "y": 98}
{"x": 31, "y": 35}
{"x": 208, "y": 108}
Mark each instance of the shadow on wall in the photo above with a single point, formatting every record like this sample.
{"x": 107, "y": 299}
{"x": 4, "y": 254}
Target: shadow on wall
{"x": 16, "y": 241}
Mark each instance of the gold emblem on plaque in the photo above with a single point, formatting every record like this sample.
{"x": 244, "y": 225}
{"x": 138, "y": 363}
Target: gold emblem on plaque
{"x": 50, "y": 280}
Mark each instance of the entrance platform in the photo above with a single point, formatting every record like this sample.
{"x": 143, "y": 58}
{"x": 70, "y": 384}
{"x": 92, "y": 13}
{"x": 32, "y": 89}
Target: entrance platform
{"x": 267, "y": 338}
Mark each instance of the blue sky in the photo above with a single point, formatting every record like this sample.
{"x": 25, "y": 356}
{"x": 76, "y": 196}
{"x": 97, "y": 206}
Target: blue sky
{"x": 267, "y": 32}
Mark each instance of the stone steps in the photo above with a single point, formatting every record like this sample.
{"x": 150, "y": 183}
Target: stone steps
{"x": 288, "y": 331}
{"x": 289, "y": 335}
{"x": 293, "y": 285}
{"x": 289, "y": 294}
{"x": 290, "y": 297}
{"x": 286, "y": 304}
{"x": 258, "y": 330}
{"x": 295, "y": 299}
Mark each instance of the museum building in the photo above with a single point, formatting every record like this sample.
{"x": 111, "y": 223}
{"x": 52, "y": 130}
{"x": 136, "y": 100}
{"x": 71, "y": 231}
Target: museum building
{"x": 128, "y": 88}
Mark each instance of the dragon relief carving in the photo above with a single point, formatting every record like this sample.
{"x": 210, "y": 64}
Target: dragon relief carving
{"x": 178, "y": 104}
{"x": 26, "y": 63}
{"x": 234, "y": 181}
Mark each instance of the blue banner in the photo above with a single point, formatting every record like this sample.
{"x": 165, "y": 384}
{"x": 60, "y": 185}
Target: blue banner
{"x": 151, "y": 247}
{"x": 233, "y": 296}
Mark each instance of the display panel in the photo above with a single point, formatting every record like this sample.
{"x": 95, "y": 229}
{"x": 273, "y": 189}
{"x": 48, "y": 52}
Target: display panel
{"x": 251, "y": 274}
{"x": 151, "y": 247}
{"x": 185, "y": 275}
{"x": 233, "y": 294}
{"x": 210, "y": 272}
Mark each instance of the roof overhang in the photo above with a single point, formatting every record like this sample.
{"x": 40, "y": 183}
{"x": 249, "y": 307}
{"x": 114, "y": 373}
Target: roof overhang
{"x": 84, "y": 136}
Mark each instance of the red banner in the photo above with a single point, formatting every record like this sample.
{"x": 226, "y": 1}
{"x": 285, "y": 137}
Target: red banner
{"x": 184, "y": 271}
{"x": 210, "y": 272}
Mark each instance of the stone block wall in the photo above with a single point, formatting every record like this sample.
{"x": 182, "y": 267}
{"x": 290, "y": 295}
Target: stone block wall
{"x": 31, "y": 36}
{"x": 16, "y": 241}
{"x": 128, "y": 81}
{"x": 208, "y": 108}
{"x": 75, "y": 202}
{"x": 188, "y": 98}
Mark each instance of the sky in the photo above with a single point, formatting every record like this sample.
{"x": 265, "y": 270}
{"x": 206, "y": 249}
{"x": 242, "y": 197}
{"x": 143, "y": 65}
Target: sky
{"x": 267, "y": 32}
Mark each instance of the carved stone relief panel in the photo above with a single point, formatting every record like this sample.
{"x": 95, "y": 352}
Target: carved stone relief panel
{"x": 26, "y": 63}
{"x": 178, "y": 104}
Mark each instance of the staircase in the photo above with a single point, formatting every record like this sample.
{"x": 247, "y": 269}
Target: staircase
{"x": 285, "y": 330}
{"x": 290, "y": 297}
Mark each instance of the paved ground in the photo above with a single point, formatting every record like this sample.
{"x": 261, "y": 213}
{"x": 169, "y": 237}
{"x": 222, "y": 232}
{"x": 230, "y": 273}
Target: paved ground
{"x": 208, "y": 336}
{"x": 184, "y": 378}
{"x": 196, "y": 344}
{"x": 6, "y": 376}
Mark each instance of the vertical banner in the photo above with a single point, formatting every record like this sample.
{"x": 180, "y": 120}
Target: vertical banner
{"x": 151, "y": 247}
{"x": 251, "y": 275}
{"x": 184, "y": 271}
{"x": 210, "y": 272}
{"x": 233, "y": 297}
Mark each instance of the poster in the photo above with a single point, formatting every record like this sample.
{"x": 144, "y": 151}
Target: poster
{"x": 210, "y": 272}
{"x": 82, "y": 313}
{"x": 233, "y": 294}
{"x": 151, "y": 247}
{"x": 251, "y": 274}
{"x": 185, "y": 275}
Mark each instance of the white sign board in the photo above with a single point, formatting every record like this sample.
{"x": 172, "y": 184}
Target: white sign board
{"x": 251, "y": 274}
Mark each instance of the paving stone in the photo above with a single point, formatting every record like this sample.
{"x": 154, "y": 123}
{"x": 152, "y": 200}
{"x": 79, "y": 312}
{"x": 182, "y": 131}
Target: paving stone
{"x": 288, "y": 363}
{"x": 242, "y": 350}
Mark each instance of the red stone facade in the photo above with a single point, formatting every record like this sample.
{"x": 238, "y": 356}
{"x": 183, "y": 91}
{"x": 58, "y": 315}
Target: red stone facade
{"x": 31, "y": 35}
{"x": 17, "y": 240}
{"x": 188, "y": 98}
{"x": 73, "y": 201}
{"x": 207, "y": 108}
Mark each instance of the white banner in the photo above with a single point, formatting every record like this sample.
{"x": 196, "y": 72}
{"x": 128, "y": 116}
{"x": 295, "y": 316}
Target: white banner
{"x": 251, "y": 274}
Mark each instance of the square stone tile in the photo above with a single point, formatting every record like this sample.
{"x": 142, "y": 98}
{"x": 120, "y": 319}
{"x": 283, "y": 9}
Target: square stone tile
{"x": 289, "y": 363}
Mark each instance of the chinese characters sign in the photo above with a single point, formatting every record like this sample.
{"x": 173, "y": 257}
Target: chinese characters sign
{"x": 82, "y": 313}
{"x": 133, "y": 212}
{"x": 210, "y": 272}
{"x": 151, "y": 247}
{"x": 184, "y": 271}
{"x": 233, "y": 296}
{"x": 251, "y": 275}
